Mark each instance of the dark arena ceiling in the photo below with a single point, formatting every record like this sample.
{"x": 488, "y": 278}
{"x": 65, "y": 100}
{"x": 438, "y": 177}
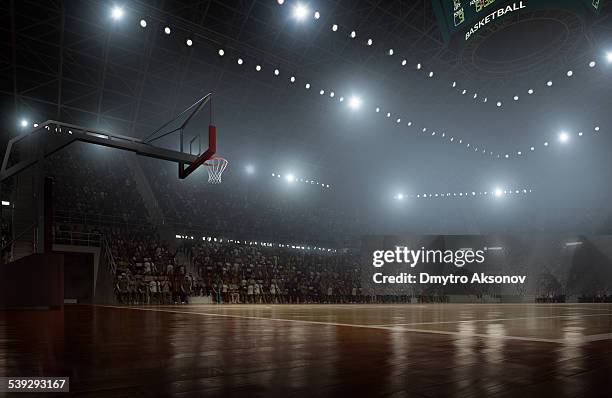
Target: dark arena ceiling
{"x": 70, "y": 61}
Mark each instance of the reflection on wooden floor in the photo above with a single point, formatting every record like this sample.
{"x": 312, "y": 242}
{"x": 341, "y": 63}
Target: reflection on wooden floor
{"x": 506, "y": 350}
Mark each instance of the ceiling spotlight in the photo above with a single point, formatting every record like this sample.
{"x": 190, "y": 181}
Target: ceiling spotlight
{"x": 570, "y": 73}
{"x": 399, "y": 196}
{"x": 300, "y": 11}
{"x": 307, "y": 86}
{"x": 276, "y": 72}
{"x": 292, "y": 79}
{"x": 369, "y": 42}
{"x": 332, "y": 94}
{"x": 549, "y": 83}
{"x": 532, "y": 149}
{"x": 499, "y": 104}
{"x": 354, "y": 102}
{"x": 530, "y": 91}
{"x": 280, "y": 2}
{"x": 317, "y": 15}
{"x": 404, "y": 62}
{"x": 390, "y": 51}
{"x": 516, "y": 98}
{"x": 189, "y": 42}
{"x": 609, "y": 56}
{"x": 454, "y": 84}
{"x": 240, "y": 61}
{"x": 580, "y": 134}
{"x": 322, "y": 92}
{"x": 592, "y": 64}
{"x": 353, "y": 34}
{"x": 24, "y": 123}
{"x": 117, "y": 13}
{"x": 258, "y": 68}
{"x": 221, "y": 52}
{"x": 596, "y": 128}
{"x": 341, "y": 99}
{"x": 419, "y": 66}
{"x": 143, "y": 23}
{"x": 498, "y": 192}
{"x": 563, "y": 137}
{"x": 334, "y": 27}
{"x": 546, "y": 143}
{"x": 290, "y": 178}
{"x": 167, "y": 30}
{"x": 377, "y": 110}
{"x": 431, "y": 74}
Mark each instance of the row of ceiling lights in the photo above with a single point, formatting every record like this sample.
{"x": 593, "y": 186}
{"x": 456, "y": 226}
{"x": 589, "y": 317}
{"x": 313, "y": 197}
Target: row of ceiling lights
{"x": 301, "y": 12}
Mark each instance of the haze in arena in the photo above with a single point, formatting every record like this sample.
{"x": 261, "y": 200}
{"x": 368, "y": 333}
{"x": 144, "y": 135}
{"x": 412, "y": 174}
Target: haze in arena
{"x": 306, "y": 198}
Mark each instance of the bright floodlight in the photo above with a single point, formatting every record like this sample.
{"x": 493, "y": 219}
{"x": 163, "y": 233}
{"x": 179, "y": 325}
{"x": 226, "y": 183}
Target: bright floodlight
{"x": 355, "y": 102}
{"x": 498, "y": 192}
{"x": 290, "y": 178}
{"x": 609, "y": 56}
{"x": 300, "y": 11}
{"x": 399, "y": 196}
{"x": 563, "y": 137}
{"x": 24, "y": 123}
{"x": 250, "y": 169}
{"x": 117, "y": 13}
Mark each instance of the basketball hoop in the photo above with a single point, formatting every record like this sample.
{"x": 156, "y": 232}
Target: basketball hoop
{"x": 216, "y": 166}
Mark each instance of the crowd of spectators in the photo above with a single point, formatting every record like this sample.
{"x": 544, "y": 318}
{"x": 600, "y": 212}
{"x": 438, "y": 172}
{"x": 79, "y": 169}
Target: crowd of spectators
{"x": 149, "y": 271}
{"x": 238, "y": 273}
{"x": 94, "y": 181}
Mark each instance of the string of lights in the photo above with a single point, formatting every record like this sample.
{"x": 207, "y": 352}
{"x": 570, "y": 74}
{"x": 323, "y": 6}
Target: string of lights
{"x": 290, "y": 178}
{"x": 496, "y": 193}
{"x": 258, "y": 243}
{"x": 301, "y": 12}
{"x": 355, "y": 102}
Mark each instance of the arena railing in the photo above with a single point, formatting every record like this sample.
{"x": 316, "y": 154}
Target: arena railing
{"x": 69, "y": 217}
{"x": 93, "y": 220}
{"x": 89, "y": 239}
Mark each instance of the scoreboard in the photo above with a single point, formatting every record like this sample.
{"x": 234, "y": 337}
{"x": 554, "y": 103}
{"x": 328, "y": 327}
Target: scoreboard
{"x": 468, "y": 16}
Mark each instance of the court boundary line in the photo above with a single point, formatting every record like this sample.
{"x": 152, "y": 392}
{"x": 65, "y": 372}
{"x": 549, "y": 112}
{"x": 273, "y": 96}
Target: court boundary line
{"x": 395, "y": 328}
{"x": 495, "y": 319}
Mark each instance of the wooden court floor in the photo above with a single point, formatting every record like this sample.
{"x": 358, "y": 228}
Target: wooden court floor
{"x": 437, "y": 350}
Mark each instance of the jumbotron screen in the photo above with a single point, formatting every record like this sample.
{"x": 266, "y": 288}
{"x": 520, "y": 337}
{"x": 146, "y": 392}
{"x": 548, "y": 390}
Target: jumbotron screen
{"x": 469, "y": 16}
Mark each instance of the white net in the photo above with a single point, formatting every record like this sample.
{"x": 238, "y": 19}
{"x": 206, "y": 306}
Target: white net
{"x": 215, "y": 167}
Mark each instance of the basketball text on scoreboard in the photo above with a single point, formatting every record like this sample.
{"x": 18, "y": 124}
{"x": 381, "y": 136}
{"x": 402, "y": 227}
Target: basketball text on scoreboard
{"x": 495, "y": 15}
